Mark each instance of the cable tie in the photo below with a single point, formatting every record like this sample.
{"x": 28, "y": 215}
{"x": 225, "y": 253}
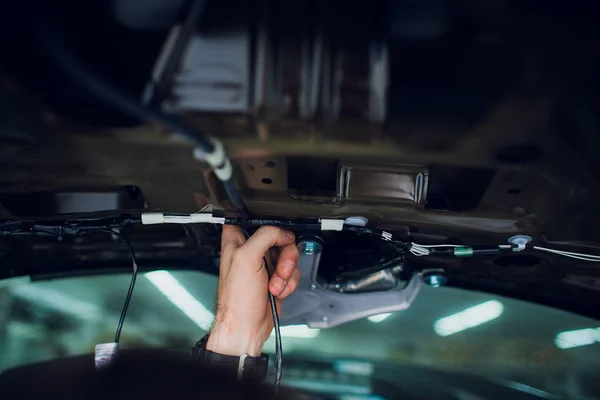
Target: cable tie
{"x": 206, "y": 218}
{"x": 153, "y": 218}
{"x": 196, "y": 218}
{"x": 332, "y": 224}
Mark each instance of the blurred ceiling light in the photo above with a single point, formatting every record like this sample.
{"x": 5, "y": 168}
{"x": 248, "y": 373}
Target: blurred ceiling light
{"x": 16, "y": 280}
{"x": 580, "y": 337}
{"x": 56, "y": 300}
{"x": 178, "y": 295}
{"x": 354, "y": 367}
{"x": 298, "y": 331}
{"x": 379, "y": 317}
{"x": 468, "y": 318}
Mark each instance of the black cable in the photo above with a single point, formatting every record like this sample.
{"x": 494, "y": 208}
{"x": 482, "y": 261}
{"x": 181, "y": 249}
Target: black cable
{"x": 131, "y": 284}
{"x": 186, "y": 30}
{"x": 115, "y": 97}
{"x": 234, "y": 195}
{"x": 276, "y": 326}
{"x": 278, "y": 346}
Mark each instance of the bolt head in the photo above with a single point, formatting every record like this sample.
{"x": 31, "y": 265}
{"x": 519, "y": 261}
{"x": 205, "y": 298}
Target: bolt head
{"x": 310, "y": 247}
{"x": 313, "y": 286}
{"x": 324, "y": 319}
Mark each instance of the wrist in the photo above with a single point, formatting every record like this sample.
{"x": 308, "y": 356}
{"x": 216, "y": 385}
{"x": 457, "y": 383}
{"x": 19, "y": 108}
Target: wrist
{"x": 232, "y": 340}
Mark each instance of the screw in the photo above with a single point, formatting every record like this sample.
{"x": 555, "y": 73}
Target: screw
{"x": 434, "y": 280}
{"x": 313, "y": 286}
{"x": 324, "y": 319}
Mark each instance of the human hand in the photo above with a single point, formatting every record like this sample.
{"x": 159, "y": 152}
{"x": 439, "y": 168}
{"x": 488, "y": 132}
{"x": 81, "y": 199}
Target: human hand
{"x": 244, "y": 320}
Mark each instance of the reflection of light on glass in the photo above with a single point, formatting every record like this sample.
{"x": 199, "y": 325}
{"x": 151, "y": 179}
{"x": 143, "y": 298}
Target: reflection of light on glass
{"x": 379, "y": 317}
{"x": 354, "y": 367}
{"x": 468, "y": 318}
{"x": 580, "y": 337}
{"x": 15, "y": 280}
{"x": 56, "y": 300}
{"x": 178, "y": 295}
{"x": 298, "y": 331}
{"x": 326, "y": 386}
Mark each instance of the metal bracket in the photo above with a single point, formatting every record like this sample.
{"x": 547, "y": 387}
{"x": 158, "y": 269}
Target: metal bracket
{"x": 318, "y": 307}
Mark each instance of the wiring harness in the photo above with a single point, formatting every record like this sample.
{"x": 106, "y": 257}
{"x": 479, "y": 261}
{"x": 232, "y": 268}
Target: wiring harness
{"x": 88, "y": 223}
{"x": 85, "y": 224}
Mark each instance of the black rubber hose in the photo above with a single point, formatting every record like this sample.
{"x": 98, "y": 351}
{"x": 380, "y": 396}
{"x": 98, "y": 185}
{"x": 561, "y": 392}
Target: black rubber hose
{"x": 127, "y": 104}
{"x": 234, "y": 195}
{"x": 114, "y": 96}
{"x": 186, "y": 32}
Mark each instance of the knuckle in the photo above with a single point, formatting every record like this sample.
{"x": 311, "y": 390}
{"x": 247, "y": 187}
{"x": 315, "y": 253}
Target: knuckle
{"x": 289, "y": 289}
{"x": 292, "y": 284}
{"x": 269, "y": 231}
{"x": 294, "y": 250}
{"x": 290, "y": 252}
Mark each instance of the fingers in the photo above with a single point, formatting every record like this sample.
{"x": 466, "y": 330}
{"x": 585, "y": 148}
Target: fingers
{"x": 287, "y": 261}
{"x": 286, "y": 276}
{"x": 277, "y": 285}
{"x": 291, "y": 285}
{"x": 265, "y": 238}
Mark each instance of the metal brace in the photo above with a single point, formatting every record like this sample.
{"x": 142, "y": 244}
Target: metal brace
{"x": 318, "y": 307}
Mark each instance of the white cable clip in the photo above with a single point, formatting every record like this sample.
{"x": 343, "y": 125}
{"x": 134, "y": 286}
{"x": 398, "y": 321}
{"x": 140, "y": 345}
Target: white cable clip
{"x": 153, "y": 218}
{"x": 206, "y": 218}
{"x": 520, "y": 241}
{"x": 332, "y": 224}
{"x": 196, "y": 218}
